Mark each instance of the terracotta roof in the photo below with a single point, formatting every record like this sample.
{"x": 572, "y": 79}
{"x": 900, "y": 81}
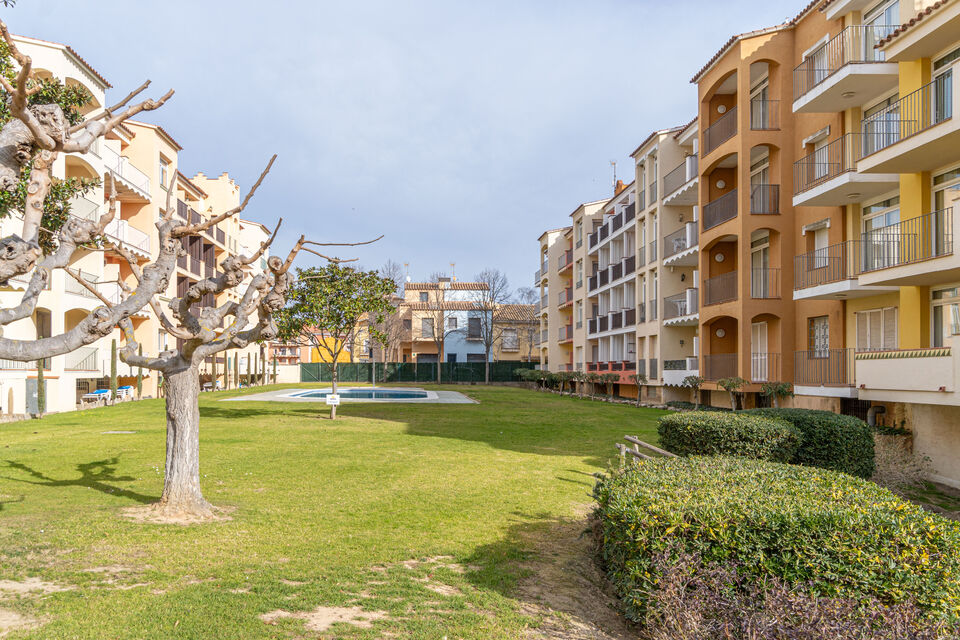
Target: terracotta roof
{"x": 586, "y": 204}
{"x": 749, "y": 34}
{"x": 453, "y": 305}
{"x": 162, "y": 131}
{"x": 684, "y": 127}
{"x": 453, "y": 286}
{"x": 190, "y": 183}
{"x": 914, "y": 20}
{"x": 515, "y": 313}
{"x": 76, "y": 55}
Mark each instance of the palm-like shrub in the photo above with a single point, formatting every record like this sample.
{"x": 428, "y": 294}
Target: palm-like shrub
{"x": 732, "y": 386}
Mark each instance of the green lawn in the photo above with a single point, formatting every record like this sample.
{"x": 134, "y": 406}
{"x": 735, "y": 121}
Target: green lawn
{"x": 325, "y": 514}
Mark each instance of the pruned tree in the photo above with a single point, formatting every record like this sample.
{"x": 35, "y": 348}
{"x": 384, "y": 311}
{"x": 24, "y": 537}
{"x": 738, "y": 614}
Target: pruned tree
{"x": 639, "y": 379}
{"x": 777, "y": 391}
{"x": 326, "y": 303}
{"x": 487, "y": 300}
{"x": 438, "y": 314}
{"x": 694, "y": 383}
{"x": 732, "y": 385}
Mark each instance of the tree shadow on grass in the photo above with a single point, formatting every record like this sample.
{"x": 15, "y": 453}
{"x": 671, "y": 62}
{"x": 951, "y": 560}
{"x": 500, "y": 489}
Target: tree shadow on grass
{"x": 93, "y": 475}
{"x": 549, "y": 564}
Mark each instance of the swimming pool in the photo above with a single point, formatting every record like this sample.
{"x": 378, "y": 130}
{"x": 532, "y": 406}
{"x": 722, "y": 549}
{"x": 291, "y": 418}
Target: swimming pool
{"x": 365, "y": 394}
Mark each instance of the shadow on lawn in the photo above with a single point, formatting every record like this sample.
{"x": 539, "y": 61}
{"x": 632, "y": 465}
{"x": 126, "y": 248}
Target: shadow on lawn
{"x": 94, "y": 475}
{"x": 549, "y": 564}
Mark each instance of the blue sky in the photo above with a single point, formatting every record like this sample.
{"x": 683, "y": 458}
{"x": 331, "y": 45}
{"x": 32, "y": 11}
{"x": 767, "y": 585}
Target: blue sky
{"x": 459, "y": 130}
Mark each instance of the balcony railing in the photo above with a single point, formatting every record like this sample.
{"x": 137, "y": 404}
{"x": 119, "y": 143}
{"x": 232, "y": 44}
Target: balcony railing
{"x": 765, "y": 198}
{"x": 616, "y": 271}
{"x": 717, "y": 366}
{"x": 680, "y": 175}
{"x": 120, "y": 167}
{"x": 653, "y": 251}
{"x": 641, "y": 313}
{"x": 764, "y": 115}
{"x": 722, "y": 288}
{"x": 908, "y": 241}
{"x": 629, "y": 317}
{"x": 566, "y": 333}
{"x": 74, "y": 287}
{"x": 825, "y": 367}
{"x": 565, "y": 297}
{"x": 720, "y": 131}
{"x": 652, "y": 308}
{"x": 926, "y": 107}
{"x": 83, "y": 359}
{"x": 629, "y": 265}
{"x": 853, "y": 44}
{"x": 680, "y": 240}
{"x": 764, "y": 283}
{"x": 827, "y": 162}
{"x": 603, "y": 277}
{"x": 544, "y": 301}
{"x": 131, "y": 238}
{"x": 592, "y": 282}
{"x": 765, "y": 367}
{"x": 681, "y": 304}
{"x": 720, "y": 210}
{"x": 565, "y": 260}
{"x": 629, "y": 212}
{"x": 824, "y": 266}
{"x": 616, "y": 222}
{"x": 84, "y": 208}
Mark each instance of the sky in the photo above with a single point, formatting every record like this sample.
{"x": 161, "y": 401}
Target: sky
{"x": 460, "y": 131}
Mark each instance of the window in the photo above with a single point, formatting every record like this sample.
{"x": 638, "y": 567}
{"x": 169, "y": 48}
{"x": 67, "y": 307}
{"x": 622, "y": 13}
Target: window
{"x": 945, "y": 316}
{"x": 760, "y": 284}
{"x": 884, "y": 129}
{"x": 880, "y": 22}
{"x": 877, "y": 329}
{"x": 164, "y": 172}
{"x": 473, "y": 327}
{"x": 511, "y": 341}
{"x": 943, "y": 86}
{"x": 821, "y": 240}
{"x": 476, "y": 357}
{"x": 452, "y": 322}
{"x": 426, "y": 327}
{"x": 424, "y": 296}
{"x": 760, "y": 194}
{"x": 407, "y": 324}
{"x": 881, "y": 240}
{"x": 818, "y": 337}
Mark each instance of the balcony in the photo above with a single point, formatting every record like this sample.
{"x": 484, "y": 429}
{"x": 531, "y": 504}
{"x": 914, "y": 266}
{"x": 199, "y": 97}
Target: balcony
{"x": 121, "y": 233}
{"x": 718, "y": 366}
{"x": 565, "y": 334}
{"x": 680, "y": 184}
{"x": 73, "y": 287}
{"x": 652, "y": 309}
{"x": 829, "y": 177}
{"x": 831, "y": 274}
{"x": 565, "y": 298}
{"x": 764, "y": 115}
{"x": 544, "y": 303}
{"x": 84, "y": 208}
{"x": 927, "y": 376}
{"x": 764, "y": 283}
{"x": 641, "y": 313}
{"x": 765, "y": 367}
{"x": 616, "y": 222}
{"x": 565, "y": 261}
{"x": 926, "y": 38}
{"x": 536, "y": 278}
{"x": 720, "y": 210}
{"x": 722, "y": 288}
{"x": 653, "y": 251}
{"x": 720, "y": 131}
{"x": 845, "y": 72}
{"x": 83, "y": 359}
{"x": 680, "y": 247}
{"x": 918, "y": 251}
{"x": 629, "y": 212}
{"x": 682, "y": 309}
{"x": 675, "y": 371}
{"x": 824, "y": 372}
{"x": 629, "y": 265}
{"x": 916, "y": 133}
{"x": 765, "y": 199}
{"x": 544, "y": 269}
{"x": 132, "y": 184}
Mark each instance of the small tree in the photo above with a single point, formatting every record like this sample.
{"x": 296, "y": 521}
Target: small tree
{"x": 777, "y": 391}
{"x": 732, "y": 386}
{"x": 609, "y": 379}
{"x": 694, "y": 383}
{"x": 113, "y": 370}
{"x": 594, "y": 380}
{"x": 487, "y": 300}
{"x": 563, "y": 377}
{"x": 639, "y": 379}
{"x": 41, "y": 390}
{"x": 578, "y": 378}
{"x": 326, "y": 303}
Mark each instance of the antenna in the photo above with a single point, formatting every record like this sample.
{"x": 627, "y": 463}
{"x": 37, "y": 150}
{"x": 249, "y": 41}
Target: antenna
{"x": 613, "y": 163}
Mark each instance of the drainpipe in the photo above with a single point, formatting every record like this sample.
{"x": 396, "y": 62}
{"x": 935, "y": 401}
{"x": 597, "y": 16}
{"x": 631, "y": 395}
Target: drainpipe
{"x": 872, "y": 414}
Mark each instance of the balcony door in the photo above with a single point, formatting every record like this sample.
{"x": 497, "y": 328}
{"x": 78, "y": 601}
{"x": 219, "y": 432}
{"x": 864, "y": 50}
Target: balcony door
{"x": 760, "y": 192}
{"x": 878, "y": 23}
{"x": 881, "y": 125}
{"x": 881, "y": 234}
{"x": 945, "y": 316}
{"x": 759, "y": 362}
{"x": 943, "y": 86}
{"x": 760, "y": 266}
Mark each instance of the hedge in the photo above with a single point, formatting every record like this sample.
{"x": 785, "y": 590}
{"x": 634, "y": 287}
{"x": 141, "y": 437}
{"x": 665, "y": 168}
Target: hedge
{"x": 829, "y": 440}
{"x": 822, "y": 531}
{"x": 711, "y": 433}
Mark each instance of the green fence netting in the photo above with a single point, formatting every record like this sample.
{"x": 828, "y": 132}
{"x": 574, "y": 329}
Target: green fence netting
{"x": 411, "y": 371}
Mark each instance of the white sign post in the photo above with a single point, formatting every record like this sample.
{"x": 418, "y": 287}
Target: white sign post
{"x": 333, "y": 399}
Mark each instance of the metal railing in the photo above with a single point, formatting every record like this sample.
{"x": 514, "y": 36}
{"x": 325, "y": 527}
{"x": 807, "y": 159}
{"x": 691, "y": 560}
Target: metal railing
{"x": 680, "y": 240}
{"x": 720, "y": 131}
{"x": 84, "y": 208}
{"x": 652, "y": 190}
{"x": 827, "y": 163}
{"x": 854, "y": 44}
{"x": 764, "y": 114}
{"x": 720, "y": 210}
{"x": 641, "y": 201}
{"x": 717, "y": 366}
{"x": 629, "y": 265}
{"x": 120, "y": 167}
{"x": 616, "y": 222}
{"x": 837, "y": 262}
{"x": 652, "y": 308}
{"x": 566, "y": 333}
{"x": 565, "y": 260}
{"x": 74, "y": 287}
{"x": 908, "y": 241}
{"x": 83, "y": 359}
{"x": 764, "y": 283}
{"x": 824, "y": 367}
{"x": 629, "y": 317}
{"x": 131, "y": 238}
{"x": 765, "y": 198}
{"x": 565, "y": 297}
{"x": 928, "y": 106}
{"x": 680, "y": 175}
{"x": 764, "y": 367}
{"x": 641, "y": 313}
{"x": 629, "y": 212}
{"x": 653, "y": 251}
{"x": 681, "y": 304}
{"x": 722, "y": 288}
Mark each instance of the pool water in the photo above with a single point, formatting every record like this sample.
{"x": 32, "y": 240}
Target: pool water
{"x": 367, "y": 394}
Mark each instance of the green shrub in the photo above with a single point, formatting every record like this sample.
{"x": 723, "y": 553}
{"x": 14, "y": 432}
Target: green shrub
{"x": 683, "y": 404}
{"x": 713, "y": 433}
{"x": 829, "y": 440}
{"x": 829, "y": 533}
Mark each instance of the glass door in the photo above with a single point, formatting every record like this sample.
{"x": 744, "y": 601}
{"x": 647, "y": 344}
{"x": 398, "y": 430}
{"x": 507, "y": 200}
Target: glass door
{"x": 760, "y": 267}
{"x": 878, "y": 23}
{"x": 759, "y": 360}
{"x": 881, "y": 234}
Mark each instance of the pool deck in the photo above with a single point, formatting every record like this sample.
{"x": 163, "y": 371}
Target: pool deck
{"x": 283, "y": 395}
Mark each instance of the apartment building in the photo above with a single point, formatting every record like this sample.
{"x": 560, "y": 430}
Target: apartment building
{"x": 141, "y": 161}
{"x": 448, "y": 309}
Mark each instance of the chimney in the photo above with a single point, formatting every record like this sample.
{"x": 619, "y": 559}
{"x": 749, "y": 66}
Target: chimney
{"x": 619, "y": 187}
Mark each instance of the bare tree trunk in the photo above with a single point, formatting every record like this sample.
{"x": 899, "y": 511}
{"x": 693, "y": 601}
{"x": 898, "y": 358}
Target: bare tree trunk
{"x": 486, "y": 367}
{"x": 181, "y": 485}
{"x": 333, "y": 376}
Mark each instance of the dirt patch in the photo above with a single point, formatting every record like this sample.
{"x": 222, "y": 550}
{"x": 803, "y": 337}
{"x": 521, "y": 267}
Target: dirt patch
{"x": 30, "y": 586}
{"x": 11, "y": 621}
{"x": 566, "y": 591}
{"x": 112, "y": 433}
{"x": 292, "y": 583}
{"x": 155, "y": 514}
{"x": 443, "y": 589}
{"x": 322, "y": 618}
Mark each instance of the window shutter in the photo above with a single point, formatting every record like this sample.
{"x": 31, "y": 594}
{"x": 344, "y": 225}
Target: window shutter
{"x": 862, "y": 344}
{"x": 876, "y": 330}
{"x": 890, "y": 328}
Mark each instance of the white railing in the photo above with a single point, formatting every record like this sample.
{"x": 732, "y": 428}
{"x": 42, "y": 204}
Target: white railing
{"x": 133, "y": 238}
{"x": 83, "y": 359}
{"x": 74, "y": 287}
{"x": 111, "y": 291}
{"x": 84, "y": 208}
{"x": 14, "y": 364}
{"x": 120, "y": 167}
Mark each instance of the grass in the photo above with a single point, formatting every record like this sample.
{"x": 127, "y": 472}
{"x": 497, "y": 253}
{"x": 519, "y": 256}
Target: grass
{"x": 326, "y": 512}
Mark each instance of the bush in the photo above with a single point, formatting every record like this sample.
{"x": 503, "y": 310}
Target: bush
{"x": 829, "y": 440}
{"x": 712, "y": 433}
{"x": 689, "y": 406}
{"x": 828, "y": 533}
